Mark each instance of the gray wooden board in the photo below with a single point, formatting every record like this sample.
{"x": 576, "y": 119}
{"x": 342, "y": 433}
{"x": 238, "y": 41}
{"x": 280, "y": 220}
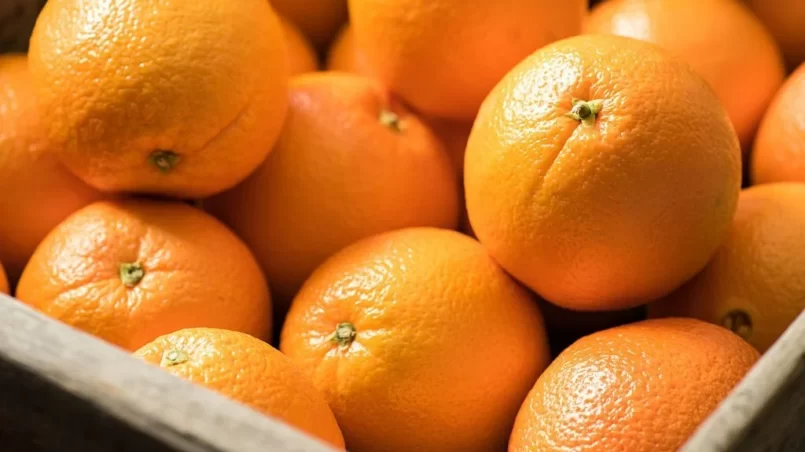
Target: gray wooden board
{"x": 766, "y": 411}
{"x": 63, "y": 390}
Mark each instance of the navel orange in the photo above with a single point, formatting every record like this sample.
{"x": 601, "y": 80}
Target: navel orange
{"x": 639, "y": 387}
{"x": 419, "y": 341}
{"x": 302, "y": 56}
{"x": 182, "y": 98}
{"x": 756, "y": 281}
{"x": 130, "y": 271}
{"x": 784, "y": 19}
{"x": 443, "y": 56}
{"x": 36, "y": 191}
{"x": 351, "y": 162}
{"x": 721, "y": 39}
{"x": 602, "y": 173}
{"x": 249, "y": 371}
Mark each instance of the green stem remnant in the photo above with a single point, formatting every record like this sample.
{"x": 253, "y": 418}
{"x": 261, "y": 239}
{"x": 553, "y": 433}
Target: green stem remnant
{"x": 173, "y": 357}
{"x": 131, "y": 273}
{"x": 739, "y": 322}
{"x": 343, "y": 335}
{"x": 164, "y": 161}
{"x": 585, "y": 111}
{"x": 390, "y": 120}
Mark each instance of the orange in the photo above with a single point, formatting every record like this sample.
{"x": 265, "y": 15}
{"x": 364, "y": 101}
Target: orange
{"x": 755, "y": 282}
{"x": 639, "y": 387}
{"x": 351, "y": 162}
{"x": 443, "y": 56}
{"x": 320, "y": 20}
{"x": 130, "y": 271}
{"x": 36, "y": 191}
{"x": 779, "y": 152}
{"x": 344, "y": 56}
{"x": 419, "y": 341}
{"x": 249, "y": 371}
{"x": 454, "y": 135}
{"x": 602, "y": 173}
{"x": 182, "y": 98}
{"x": 301, "y": 55}
{"x": 3, "y": 280}
{"x": 721, "y": 39}
{"x": 784, "y": 19}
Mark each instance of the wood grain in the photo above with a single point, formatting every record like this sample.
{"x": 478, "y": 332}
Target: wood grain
{"x": 63, "y": 390}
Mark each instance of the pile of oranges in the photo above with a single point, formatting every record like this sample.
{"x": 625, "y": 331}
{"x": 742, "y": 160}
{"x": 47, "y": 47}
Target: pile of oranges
{"x": 520, "y": 225}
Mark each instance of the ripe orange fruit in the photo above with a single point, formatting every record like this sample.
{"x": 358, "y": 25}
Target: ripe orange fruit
{"x": 784, "y": 19}
{"x": 454, "y": 135}
{"x": 130, "y": 271}
{"x": 320, "y": 20}
{"x": 3, "y": 280}
{"x": 419, "y": 341}
{"x": 301, "y": 55}
{"x": 639, "y": 387}
{"x": 249, "y": 371}
{"x": 755, "y": 282}
{"x": 721, "y": 39}
{"x": 425, "y": 50}
{"x": 36, "y": 191}
{"x": 343, "y": 56}
{"x": 351, "y": 162}
{"x": 779, "y": 152}
{"x": 182, "y": 98}
{"x": 633, "y": 173}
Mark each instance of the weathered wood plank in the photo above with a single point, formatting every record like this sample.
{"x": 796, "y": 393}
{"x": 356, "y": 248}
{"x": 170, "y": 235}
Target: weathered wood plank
{"x": 766, "y": 411}
{"x": 63, "y": 390}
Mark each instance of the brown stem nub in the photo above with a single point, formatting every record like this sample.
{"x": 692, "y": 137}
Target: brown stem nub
{"x": 390, "y": 119}
{"x": 343, "y": 335}
{"x": 173, "y": 357}
{"x": 131, "y": 273}
{"x": 739, "y": 322}
{"x": 585, "y": 111}
{"x": 164, "y": 161}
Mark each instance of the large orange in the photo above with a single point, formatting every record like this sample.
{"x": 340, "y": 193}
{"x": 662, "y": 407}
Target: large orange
{"x": 3, "y": 280}
{"x": 302, "y": 56}
{"x": 721, "y": 39}
{"x": 344, "y": 56}
{"x": 443, "y": 56}
{"x": 130, "y": 271}
{"x": 602, "y": 173}
{"x": 756, "y": 281}
{"x": 784, "y": 19}
{"x": 181, "y": 98}
{"x": 249, "y": 371}
{"x": 419, "y": 341}
{"x": 351, "y": 162}
{"x": 779, "y": 152}
{"x": 320, "y": 20}
{"x": 36, "y": 191}
{"x": 639, "y": 387}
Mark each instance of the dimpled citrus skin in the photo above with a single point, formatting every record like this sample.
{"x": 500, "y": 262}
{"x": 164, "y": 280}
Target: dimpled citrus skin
{"x": 779, "y": 152}
{"x": 195, "y": 272}
{"x": 784, "y": 19}
{"x": 721, "y": 39}
{"x": 36, "y": 191}
{"x": 758, "y": 271}
{"x": 615, "y": 213}
{"x": 318, "y": 19}
{"x": 446, "y": 345}
{"x": 640, "y": 387}
{"x": 443, "y": 56}
{"x": 3, "y": 280}
{"x": 249, "y": 371}
{"x": 337, "y": 175}
{"x": 120, "y": 80}
{"x": 301, "y": 55}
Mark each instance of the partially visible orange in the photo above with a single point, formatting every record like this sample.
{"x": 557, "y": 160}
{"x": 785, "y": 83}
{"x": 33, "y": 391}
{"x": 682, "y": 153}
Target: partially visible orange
{"x": 755, "y": 284}
{"x": 784, "y": 19}
{"x": 302, "y": 56}
{"x": 721, "y": 39}
{"x": 36, "y": 191}
{"x": 344, "y": 56}
{"x": 779, "y": 152}
{"x": 3, "y": 280}
{"x": 249, "y": 371}
{"x": 454, "y": 135}
{"x": 320, "y": 20}
{"x": 351, "y": 162}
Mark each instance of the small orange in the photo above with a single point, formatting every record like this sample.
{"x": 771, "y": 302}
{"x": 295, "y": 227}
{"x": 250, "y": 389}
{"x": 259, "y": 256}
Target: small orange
{"x": 249, "y": 371}
{"x": 779, "y": 152}
{"x": 301, "y": 55}
{"x": 3, "y": 280}
{"x": 639, "y": 387}
{"x": 182, "y": 98}
{"x": 351, "y": 162}
{"x": 756, "y": 281}
{"x": 320, "y": 20}
{"x": 130, "y": 271}
{"x": 344, "y": 57}
{"x": 443, "y": 56}
{"x": 602, "y": 173}
{"x": 419, "y": 341}
{"x": 36, "y": 191}
{"x": 784, "y": 19}
{"x": 721, "y": 39}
